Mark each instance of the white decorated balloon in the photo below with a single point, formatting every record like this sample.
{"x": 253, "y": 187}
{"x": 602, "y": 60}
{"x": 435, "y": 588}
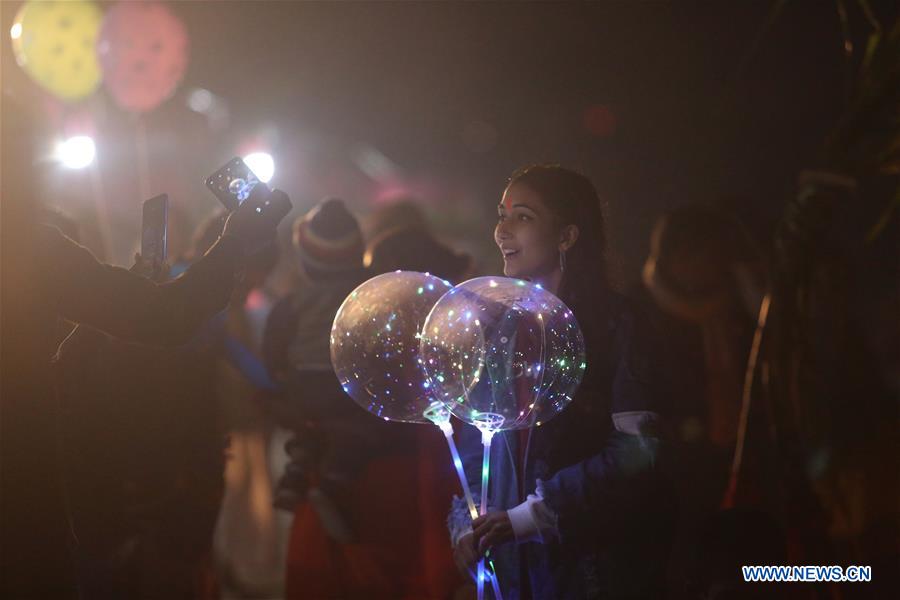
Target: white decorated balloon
{"x": 375, "y": 346}
{"x": 503, "y": 353}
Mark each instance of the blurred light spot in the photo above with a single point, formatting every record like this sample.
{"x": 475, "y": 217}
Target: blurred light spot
{"x": 76, "y": 152}
{"x": 15, "y": 32}
{"x": 200, "y": 100}
{"x": 373, "y": 162}
{"x": 213, "y": 107}
{"x": 262, "y": 165}
{"x": 600, "y": 121}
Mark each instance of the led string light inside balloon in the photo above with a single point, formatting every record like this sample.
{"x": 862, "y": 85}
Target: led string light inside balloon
{"x": 539, "y": 387}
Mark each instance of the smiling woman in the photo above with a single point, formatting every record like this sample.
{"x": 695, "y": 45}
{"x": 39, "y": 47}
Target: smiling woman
{"x": 582, "y": 488}
{"x": 530, "y": 237}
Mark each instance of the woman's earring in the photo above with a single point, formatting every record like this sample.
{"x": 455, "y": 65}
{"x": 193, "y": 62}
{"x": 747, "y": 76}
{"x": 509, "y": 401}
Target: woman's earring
{"x": 562, "y": 261}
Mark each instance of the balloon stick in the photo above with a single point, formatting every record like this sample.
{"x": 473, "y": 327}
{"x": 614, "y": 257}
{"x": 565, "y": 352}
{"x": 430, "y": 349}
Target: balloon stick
{"x": 447, "y": 430}
{"x": 486, "y": 436}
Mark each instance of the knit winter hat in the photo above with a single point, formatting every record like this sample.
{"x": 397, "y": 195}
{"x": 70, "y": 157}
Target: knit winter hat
{"x": 328, "y": 238}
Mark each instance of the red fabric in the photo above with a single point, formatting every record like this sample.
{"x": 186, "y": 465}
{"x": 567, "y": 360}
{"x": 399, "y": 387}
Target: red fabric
{"x": 398, "y": 508}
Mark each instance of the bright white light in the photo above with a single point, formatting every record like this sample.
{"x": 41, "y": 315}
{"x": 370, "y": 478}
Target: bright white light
{"x": 200, "y": 100}
{"x": 76, "y": 152}
{"x": 15, "y": 32}
{"x": 261, "y": 164}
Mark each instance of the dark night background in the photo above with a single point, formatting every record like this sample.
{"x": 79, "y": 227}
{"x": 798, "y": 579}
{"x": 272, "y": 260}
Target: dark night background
{"x": 789, "y": 357}
{"x": 660, "y": 103}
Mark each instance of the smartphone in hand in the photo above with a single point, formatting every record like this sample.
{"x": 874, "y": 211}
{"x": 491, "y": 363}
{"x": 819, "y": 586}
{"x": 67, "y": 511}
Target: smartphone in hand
{"x": 153, "y": 230}
{"x": 233, "y": 183}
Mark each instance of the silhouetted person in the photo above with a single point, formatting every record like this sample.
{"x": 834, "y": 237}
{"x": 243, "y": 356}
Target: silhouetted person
{"x": 413, "y": 248}
{"x": 701, "y": 288}
{"x": 59, "y": 278}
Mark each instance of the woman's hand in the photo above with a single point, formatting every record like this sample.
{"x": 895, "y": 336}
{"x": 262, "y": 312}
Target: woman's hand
{"x": 491, "y": 530}
{"x": 465, "y": 555}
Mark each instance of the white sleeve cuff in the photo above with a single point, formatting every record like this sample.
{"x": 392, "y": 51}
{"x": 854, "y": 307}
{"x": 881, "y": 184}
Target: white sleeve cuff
{"x": 533, "y": 521}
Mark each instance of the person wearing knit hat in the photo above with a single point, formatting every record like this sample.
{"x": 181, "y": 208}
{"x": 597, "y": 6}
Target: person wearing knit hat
{"x": 296, "y": 342}
{"x": 328, "y": 240}
{"x": 296, "y": 351}
{"x": 329, "y": 245}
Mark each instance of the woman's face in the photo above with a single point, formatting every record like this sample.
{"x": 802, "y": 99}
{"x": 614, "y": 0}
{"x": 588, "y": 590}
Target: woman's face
{"x": 527, "y": 235}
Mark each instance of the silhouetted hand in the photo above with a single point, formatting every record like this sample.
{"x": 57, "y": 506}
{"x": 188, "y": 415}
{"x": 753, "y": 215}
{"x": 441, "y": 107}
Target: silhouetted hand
{"x": 254, "y": 222}
{"x": 157, "y": 271}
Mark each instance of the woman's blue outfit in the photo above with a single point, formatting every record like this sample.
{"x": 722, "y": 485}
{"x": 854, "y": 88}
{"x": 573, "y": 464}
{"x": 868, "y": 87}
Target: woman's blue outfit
{"x": 595, "y": 468}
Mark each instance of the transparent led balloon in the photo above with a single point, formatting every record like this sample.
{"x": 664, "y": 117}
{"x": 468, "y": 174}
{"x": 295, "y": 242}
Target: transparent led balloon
{"x": 503, "y": 353}
{"x": 375, "y": 346}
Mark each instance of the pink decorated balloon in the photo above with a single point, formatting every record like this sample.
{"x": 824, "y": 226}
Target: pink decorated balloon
{"x": 143, "y": 50}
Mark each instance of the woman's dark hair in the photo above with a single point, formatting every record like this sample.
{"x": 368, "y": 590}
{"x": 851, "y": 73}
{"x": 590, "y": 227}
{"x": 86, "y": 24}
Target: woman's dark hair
{"x": 573, "y": 200}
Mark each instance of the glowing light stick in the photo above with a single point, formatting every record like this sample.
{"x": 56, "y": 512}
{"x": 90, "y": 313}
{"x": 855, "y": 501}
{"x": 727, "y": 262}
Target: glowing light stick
{"x": 440, "y": 416}
{"x": 488, "y": 424}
